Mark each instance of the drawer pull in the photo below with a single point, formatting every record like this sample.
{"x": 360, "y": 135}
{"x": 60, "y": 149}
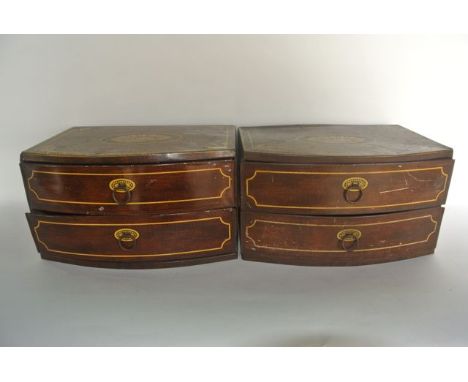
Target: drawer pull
{"x": 120, "y": 186}
{"x": 126, "y": 237}
{"x": 348, "y": 238}
{"x": 354, "y": 185}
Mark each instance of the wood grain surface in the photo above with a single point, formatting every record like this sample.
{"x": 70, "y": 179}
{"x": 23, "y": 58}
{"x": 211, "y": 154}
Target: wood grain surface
{"x": 322, "y": 189}
{"x": 155, "y": 240}
{"x": 318, "y": 240}
{"x": 155, "y": 188}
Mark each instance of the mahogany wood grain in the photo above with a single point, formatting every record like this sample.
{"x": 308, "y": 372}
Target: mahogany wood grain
{"x": 320, "y": 188}
{"x": 177, "y": 187}
{"x": 159, "y": 241}
{"x": 314, "y": 240}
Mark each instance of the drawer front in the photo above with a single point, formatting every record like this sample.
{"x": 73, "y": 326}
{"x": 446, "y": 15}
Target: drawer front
{"x": 131, "y": 241}
{"x": 312, "y": 240}
{"x": 345, "y": 189}
{"x": 130, "y": 189}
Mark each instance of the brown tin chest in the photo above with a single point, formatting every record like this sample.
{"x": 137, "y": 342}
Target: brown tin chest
{"x": 340, "y": 194}
{"x": 134, "y": 197}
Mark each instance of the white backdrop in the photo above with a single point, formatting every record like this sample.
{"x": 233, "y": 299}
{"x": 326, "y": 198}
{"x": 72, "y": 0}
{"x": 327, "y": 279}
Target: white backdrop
{"x": 49, "y": 83}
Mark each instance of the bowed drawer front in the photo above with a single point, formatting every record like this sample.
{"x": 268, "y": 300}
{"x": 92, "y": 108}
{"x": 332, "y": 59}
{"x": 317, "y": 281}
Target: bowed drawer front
{"x": 345, "y": 188}
{"x": 348, "y": 240}
{"x": 135, "y": 241}
{"x": 126, "y": 189}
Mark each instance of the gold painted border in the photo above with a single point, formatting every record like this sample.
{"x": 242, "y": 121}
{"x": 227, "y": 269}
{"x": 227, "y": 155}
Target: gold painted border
{"x": 344, "y": 173}
{"x": 39, "y": 222}
{"x": 127, "y": 174}
{"x": 342, "y": 226}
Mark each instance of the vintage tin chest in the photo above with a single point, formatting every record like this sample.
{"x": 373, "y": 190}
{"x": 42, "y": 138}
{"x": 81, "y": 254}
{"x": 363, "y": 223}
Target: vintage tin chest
{"x": 134, "y": 197}
{"x": 340, "y": 194}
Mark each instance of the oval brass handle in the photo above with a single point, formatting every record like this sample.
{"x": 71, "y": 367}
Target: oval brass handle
{"x": 126, "y": 237}
{"x": 353, "y": 185}
{"x": 120, "y": 186}
{"x": 349, "y": 238}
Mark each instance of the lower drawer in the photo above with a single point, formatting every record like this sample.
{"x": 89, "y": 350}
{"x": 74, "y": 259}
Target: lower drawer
{"x": 136, "y": 241}
{"x": 340, "y": 240}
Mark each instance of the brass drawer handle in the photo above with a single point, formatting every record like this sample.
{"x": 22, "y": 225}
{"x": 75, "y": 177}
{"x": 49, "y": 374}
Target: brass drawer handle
{"x": 353, "y": 185}
{"x": 120, "y": 186}
{"x": 349, "y": 238}
{"x": 126, "y": 237}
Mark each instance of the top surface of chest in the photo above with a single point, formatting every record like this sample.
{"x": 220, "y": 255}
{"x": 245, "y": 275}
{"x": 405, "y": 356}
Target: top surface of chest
{"x": 135, "y": 144}
{"x": 338, "y": 144}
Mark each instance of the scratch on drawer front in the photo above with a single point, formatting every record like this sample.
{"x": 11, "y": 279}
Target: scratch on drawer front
{"x": 418, "y": 180}
{"x": 397, "y": 189}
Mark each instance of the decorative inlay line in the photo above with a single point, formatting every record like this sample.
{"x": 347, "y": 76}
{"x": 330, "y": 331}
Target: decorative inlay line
{"x": 341, "y": 226}
{"x": 257, "y": 204}
{"x": 128, "y": 174}
{"x": 39, "y": 222}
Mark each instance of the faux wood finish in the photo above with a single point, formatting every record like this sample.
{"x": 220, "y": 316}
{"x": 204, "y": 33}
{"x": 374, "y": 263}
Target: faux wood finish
{"x": 109, "y": 182}
{"x": 362, "y": 175}
{"x": 319, "y": 189}
{"x": 338, "y": 144}
{"x": 160, "y": 240}
{"x": 312, "y": 240}
{"x": 157, "y": 188}
{"x": 135, "y": 145}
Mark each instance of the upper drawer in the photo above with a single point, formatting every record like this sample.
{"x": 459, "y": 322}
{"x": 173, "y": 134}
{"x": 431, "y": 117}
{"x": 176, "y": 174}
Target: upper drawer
{"x": 345, "y": 188}
{"x": 130, "y": 189}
